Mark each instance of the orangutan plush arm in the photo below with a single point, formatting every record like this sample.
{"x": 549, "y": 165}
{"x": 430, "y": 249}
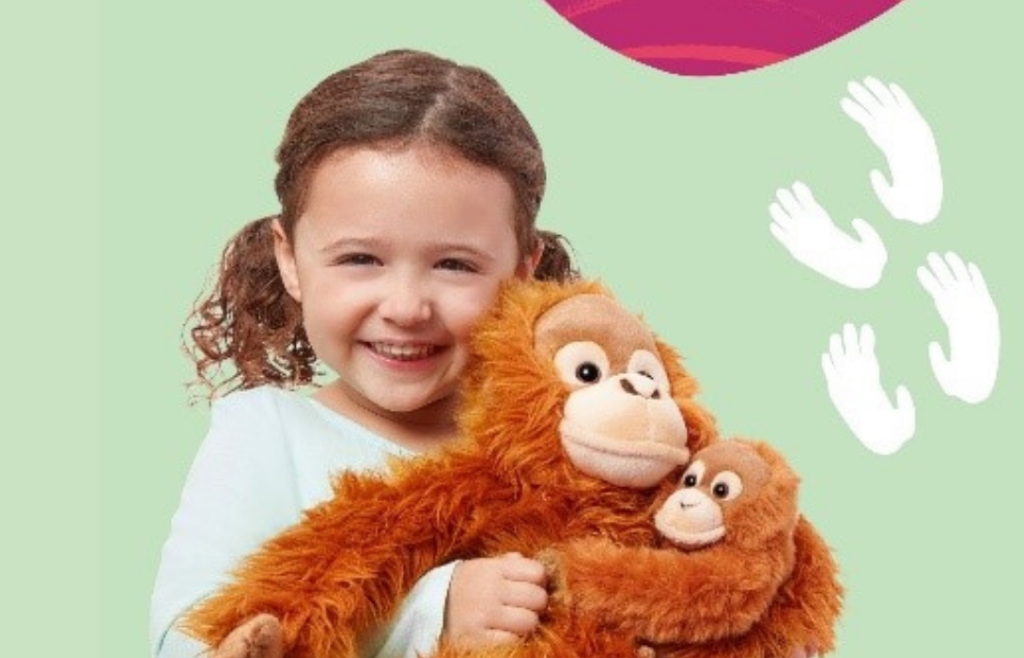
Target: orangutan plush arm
{"x": 805, "y": 612}
{"x": 665, "y": 594}
{"x": 370, "y": 543}
{"x": 801, "y": 618}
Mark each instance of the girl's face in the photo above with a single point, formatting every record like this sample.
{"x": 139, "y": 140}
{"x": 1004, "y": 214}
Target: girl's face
{"x": 397, "y": 253}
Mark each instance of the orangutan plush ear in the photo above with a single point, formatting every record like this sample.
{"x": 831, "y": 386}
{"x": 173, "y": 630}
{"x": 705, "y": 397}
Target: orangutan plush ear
{"x": 700, "y": 424}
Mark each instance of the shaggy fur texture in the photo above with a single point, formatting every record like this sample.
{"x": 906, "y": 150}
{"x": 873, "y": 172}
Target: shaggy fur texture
{"x": 683, "y": 601}
{"x": 506, "y": 485}
{"x": 767, "y": 587}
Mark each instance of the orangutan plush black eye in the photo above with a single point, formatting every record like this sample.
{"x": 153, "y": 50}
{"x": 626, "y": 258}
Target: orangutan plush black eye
{"x": 588, "y": 373}
{"x": 690, "y": 481}
{"x": 721, "y": 490}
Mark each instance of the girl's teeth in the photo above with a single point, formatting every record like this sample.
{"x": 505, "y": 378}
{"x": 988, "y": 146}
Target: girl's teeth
{"x": 403, "y": 352}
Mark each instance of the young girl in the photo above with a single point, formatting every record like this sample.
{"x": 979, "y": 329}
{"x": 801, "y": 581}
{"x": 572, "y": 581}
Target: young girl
{"x": 409, "y": 186}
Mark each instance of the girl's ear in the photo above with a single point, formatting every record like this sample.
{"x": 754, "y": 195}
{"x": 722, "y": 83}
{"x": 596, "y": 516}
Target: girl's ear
{"x": 529, "y": 264}
{"x": 284, "y": 254}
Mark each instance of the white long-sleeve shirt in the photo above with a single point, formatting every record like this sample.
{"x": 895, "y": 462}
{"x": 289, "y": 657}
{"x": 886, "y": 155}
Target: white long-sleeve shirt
{"x": 269, "y": 455}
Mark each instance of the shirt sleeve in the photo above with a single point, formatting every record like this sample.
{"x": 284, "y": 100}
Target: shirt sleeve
{"x": 419, "y": 621}
{"x": 240, "y": 491}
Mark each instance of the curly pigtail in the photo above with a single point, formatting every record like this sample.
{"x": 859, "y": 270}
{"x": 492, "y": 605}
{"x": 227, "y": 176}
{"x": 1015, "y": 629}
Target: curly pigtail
{"x": 555, "y": 261}
{"x": 250, "y": 320}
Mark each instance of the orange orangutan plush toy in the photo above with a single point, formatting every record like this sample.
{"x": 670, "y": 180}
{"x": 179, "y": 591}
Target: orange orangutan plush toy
{"x": 728, "y": 546}
{"x": 573, "y": 419}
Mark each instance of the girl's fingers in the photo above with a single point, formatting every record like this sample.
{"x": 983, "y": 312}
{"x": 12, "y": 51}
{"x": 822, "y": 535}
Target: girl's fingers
{"x": 517, "y": 621}
{"x": 528, "y": 596}
{"x": 518, "y": 568}
{"x": 495, "y": 636}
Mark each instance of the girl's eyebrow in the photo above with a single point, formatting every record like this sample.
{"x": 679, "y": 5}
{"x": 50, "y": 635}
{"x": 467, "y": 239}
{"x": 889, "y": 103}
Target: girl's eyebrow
{"x": 436, "y": 248}
{"x": 351, "y": 243}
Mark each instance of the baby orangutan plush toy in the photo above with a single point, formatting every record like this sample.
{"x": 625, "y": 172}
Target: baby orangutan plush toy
{"x": 728, "y": 532}
{"x": 572, "y": 416}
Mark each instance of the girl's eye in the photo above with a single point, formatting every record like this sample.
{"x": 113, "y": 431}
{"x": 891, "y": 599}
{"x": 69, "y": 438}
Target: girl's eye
{"x": 358, "y": 259}
{"x": 456, "y": 265}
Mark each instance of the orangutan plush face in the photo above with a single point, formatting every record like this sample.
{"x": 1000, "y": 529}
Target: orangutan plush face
{"x": 620, "y": 422}
{"x": 738, "y": 487}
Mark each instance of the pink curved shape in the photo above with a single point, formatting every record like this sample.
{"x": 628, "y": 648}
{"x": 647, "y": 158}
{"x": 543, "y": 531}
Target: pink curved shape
{"x": 749, "y": 33}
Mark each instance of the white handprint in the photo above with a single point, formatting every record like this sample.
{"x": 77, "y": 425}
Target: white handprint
{"x": 905, "y": 138}
{"x": 806, "y": 230}
{"x": 854, "y": 384}
{"x": 964, "y": 304}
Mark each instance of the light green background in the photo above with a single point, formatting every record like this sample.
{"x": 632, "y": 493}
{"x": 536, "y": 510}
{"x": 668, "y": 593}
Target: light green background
{"x": 661, "y": 182}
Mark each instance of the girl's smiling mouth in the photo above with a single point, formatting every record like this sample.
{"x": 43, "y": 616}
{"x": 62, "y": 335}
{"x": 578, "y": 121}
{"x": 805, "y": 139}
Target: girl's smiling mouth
{"x": 403, "y": 351}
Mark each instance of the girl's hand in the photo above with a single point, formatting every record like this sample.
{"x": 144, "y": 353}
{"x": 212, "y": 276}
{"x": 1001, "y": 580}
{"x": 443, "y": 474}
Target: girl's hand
{"x": 494, "y": 600}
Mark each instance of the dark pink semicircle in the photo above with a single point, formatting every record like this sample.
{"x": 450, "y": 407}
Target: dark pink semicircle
{"x": 738, "y": 34}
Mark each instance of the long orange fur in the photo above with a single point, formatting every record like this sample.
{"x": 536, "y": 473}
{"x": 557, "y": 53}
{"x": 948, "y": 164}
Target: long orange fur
{"x": 684, "y": 601}
{"x": 504, "y": 486}
{"x": 767, "y": 588}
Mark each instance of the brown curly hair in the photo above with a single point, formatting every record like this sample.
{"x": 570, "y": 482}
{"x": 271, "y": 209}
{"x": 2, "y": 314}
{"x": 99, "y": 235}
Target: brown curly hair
{"x": 248, "y": 320}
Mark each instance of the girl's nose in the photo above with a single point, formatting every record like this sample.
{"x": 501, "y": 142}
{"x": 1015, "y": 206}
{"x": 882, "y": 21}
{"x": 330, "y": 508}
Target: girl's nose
{"x": 406, "y": 304}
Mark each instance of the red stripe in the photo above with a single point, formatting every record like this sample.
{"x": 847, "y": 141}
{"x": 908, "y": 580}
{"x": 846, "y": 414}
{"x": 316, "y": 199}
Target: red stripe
{"x": 732, "y": 54}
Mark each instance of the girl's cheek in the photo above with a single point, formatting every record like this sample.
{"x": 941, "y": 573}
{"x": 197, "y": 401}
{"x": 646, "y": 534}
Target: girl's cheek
{"x": 464, "y": 314}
